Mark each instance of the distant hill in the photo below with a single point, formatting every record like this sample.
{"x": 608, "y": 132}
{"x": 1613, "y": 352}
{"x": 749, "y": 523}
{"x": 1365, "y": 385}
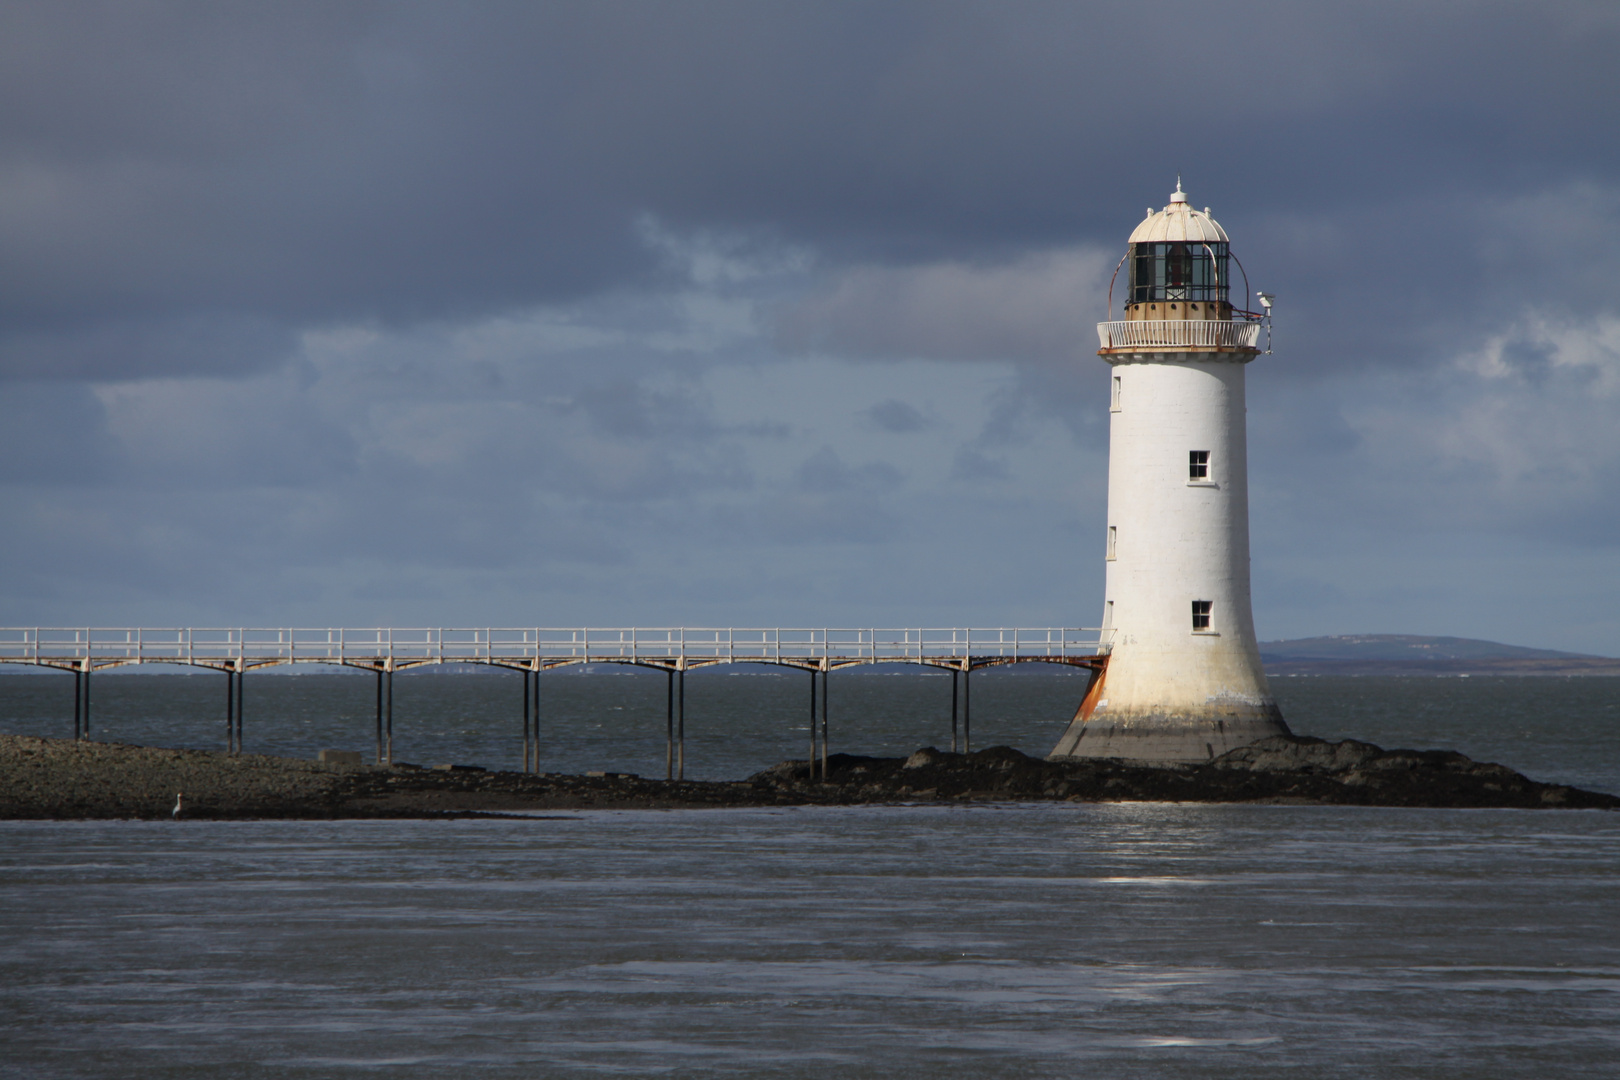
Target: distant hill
{"x": 1414, "y": 654}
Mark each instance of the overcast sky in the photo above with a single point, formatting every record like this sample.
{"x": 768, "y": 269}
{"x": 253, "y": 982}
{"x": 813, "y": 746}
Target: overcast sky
{"x": 782, "y": 314}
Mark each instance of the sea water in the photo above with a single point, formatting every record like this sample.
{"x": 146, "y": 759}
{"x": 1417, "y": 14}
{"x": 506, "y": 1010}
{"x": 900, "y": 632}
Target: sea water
{"x": 1061, "y": 940}
{"x": 743, "y": 718}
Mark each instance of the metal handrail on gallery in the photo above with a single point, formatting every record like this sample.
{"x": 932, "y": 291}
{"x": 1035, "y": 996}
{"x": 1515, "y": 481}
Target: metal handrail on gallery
{"x": 1152, "y": 334}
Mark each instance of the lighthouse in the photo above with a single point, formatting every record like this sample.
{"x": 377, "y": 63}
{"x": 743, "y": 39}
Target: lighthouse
{"x": 1182, "y": 680}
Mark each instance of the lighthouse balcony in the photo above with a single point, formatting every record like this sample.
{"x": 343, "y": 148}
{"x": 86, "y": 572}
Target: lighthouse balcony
{"x": 1178, "y": 335}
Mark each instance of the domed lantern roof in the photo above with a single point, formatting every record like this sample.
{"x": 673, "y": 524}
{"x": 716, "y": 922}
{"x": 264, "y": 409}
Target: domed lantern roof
{"x": 1178, "y": 223}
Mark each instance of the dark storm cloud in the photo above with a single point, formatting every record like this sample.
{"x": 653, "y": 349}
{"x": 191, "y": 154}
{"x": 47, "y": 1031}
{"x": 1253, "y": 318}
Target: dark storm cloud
{"x": 895, "y": 417}
{"x": 165, "y": 167}
{"x": 726, "y": 311}
{"x": 183, "y": 343}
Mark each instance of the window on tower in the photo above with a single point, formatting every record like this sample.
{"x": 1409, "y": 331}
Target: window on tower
{"x": 1198, "y": 464}
{"x": 1200, "y": 614}
{"x": 1113, "y": 540}
{"x": 1114, "y": 402}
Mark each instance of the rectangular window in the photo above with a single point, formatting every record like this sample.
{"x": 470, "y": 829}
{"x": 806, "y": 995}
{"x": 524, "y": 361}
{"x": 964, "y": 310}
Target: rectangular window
{"x": 1198, "y": 464}
{"x": 1113, "y": 540}
{"x": 1114, "y": 401}
{"x": 1201, "y": 614}
{"x": 1108, "y": 615}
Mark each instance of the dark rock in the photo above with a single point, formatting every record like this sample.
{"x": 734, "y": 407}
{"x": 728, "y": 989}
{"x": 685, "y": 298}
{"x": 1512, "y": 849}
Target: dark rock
{"x": 60, "y": 778}
{"x": 1285, "y": 753}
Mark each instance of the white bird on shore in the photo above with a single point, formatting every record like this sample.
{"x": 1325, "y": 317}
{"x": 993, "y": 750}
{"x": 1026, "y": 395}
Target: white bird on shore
{"x": 178, "y": 797}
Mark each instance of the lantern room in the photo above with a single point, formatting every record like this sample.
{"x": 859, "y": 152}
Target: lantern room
{"x": 1179, "y": 262}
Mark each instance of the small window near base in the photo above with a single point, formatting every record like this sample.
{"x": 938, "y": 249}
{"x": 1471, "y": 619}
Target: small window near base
{"x": 1113, "y": 540}
{"x": 1200, "y": 613}
{"x": 1198, "y": 464}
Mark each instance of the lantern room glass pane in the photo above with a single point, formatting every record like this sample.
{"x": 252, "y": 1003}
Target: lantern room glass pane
{"x": 1178, "y": 271}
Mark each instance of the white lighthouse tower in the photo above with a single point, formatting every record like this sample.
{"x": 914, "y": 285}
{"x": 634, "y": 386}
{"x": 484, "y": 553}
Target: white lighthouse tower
{"x": 1182, "y": 681}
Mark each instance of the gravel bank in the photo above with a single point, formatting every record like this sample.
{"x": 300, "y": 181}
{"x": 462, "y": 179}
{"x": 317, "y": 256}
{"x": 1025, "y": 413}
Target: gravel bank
{"x": 62, "y": 779}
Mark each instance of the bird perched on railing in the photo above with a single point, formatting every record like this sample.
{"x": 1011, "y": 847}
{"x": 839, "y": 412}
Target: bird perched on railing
{"x": 179, "y": 799}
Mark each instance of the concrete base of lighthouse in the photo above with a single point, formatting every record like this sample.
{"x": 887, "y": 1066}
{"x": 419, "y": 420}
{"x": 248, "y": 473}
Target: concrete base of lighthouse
{"x": 1165, "y": 739}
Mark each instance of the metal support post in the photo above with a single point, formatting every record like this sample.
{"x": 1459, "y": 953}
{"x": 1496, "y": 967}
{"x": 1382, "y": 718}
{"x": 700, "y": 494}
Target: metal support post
{"x": 241, "y": 678}
{"x": 814, "y": 675}
{"x": 87, "y": 699}
{"x": 954, "y": 674}
{"x": 230, "y": 710}
{"x": 680, "y": 727}
{"x": 967, "y": 708}
{"x": 527, "y": 744}
{"x": 388, "y": 742}
{"x": 537, "y": 716}
{"x": 78, "y": 703}
{"x": 379, "y": 718}
{"x": 824, "y": 696}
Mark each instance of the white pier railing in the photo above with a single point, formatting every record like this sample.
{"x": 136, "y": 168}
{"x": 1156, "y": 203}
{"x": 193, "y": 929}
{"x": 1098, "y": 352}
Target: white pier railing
{"x": 393, "y": 648}
{"x": 1179, "y": 334}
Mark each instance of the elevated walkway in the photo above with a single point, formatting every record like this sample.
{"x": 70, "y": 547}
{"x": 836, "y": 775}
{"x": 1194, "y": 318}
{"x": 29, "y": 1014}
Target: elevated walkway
{"x": 674, "y": 650}
{"x": 536, "y": 649}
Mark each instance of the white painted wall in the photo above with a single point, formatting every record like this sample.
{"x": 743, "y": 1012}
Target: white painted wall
{"x": 1179, "y": 541}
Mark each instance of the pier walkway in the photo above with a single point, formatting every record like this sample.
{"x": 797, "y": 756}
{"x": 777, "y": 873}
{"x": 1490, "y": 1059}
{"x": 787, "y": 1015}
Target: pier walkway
{"x": 675, "y": 650}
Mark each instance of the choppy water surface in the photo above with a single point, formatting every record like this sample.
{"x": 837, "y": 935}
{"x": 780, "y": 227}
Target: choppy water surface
{"x": 1129, "y": 940}
{"x": 1011, "y": 941}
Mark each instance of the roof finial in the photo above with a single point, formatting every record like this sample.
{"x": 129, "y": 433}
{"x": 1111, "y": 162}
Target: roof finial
{"x": 1178, "y": 182}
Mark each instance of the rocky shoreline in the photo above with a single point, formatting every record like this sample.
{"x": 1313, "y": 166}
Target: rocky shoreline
{"x": 63, "y": 780}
